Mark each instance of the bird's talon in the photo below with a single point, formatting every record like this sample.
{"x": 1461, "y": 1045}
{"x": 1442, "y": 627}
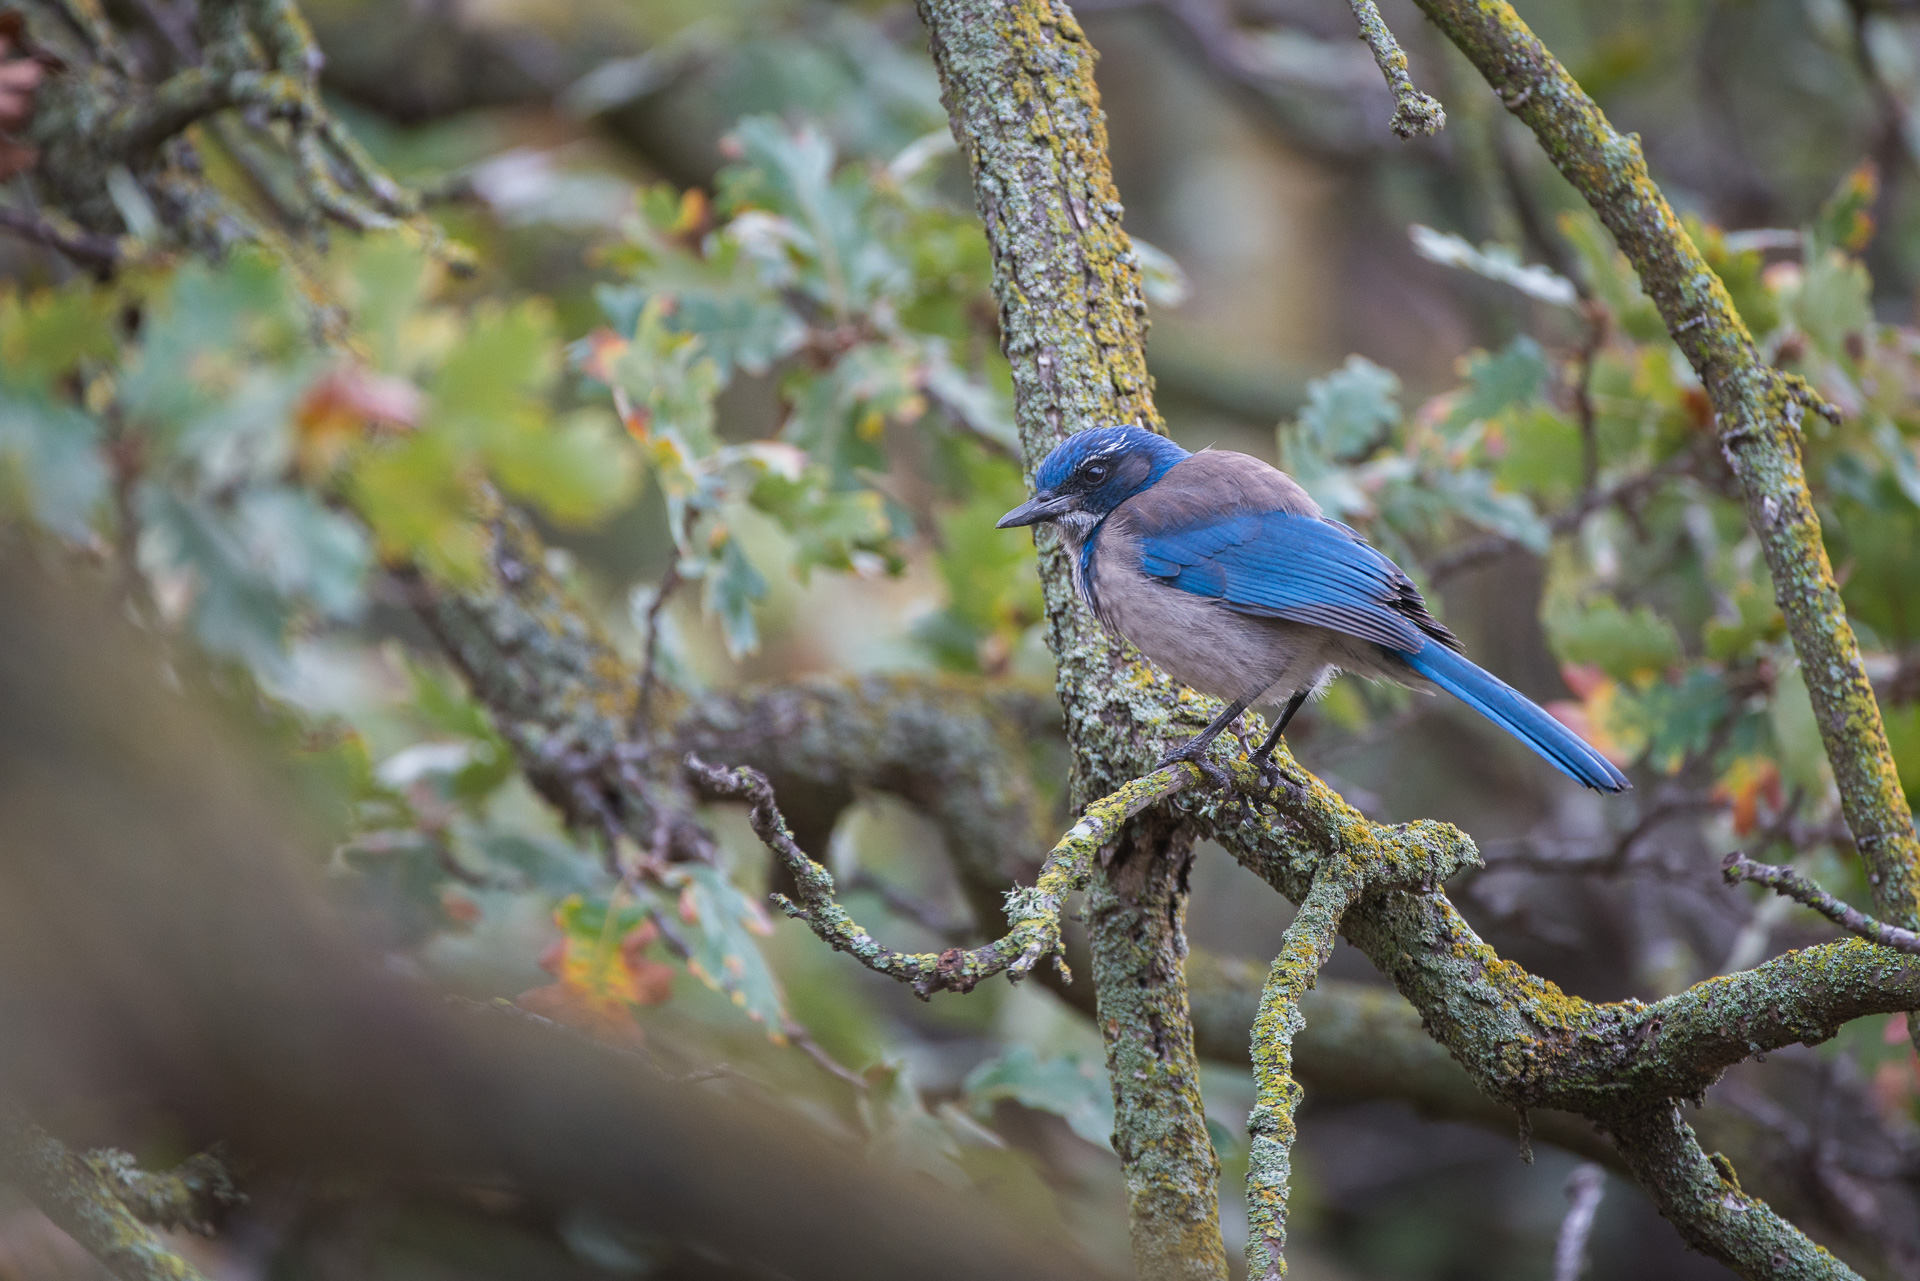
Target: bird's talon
{"x": 1209, "y": 771}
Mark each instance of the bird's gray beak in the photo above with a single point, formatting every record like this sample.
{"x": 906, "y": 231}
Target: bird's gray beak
{"x": 1036, "y": 509}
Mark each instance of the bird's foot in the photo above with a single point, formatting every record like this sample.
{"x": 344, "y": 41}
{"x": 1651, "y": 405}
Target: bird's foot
{"x": 1195, "y": 754}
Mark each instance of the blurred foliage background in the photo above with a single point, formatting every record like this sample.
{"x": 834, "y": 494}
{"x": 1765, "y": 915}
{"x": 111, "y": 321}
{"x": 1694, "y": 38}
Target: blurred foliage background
{"x": 706, "y": 297}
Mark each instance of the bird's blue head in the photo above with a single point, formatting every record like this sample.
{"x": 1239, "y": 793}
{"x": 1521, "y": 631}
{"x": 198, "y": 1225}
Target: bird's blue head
{"x": 1092, "y": 472}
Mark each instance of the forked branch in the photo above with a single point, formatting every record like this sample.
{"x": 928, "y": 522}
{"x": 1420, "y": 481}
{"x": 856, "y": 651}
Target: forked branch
{"x": 1033, "y": 912}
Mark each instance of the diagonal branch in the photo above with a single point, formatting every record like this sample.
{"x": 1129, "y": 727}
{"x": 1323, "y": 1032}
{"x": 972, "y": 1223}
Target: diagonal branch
{"x": 1415, "y": 114}
{"x": 1737, "y": 868}
{"x": 1034, "y": 912}
{"x": 86, "y": 1198}
{"x": 1759, "y": 412}
{"x": 1701, "y": 1196}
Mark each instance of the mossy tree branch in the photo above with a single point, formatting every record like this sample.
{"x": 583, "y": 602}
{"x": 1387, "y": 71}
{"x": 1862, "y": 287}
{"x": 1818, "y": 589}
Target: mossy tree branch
{"x": 1701, "y": 1195}
{"x": 1136, "y": 929}
{"x": 1738, "y": 868}
{"x": 1018, "y": 86}
{"x": 1305, "y": 949}
{"x": 1033, "y": 912}
{"x": 118, "y": 153}
{"x": 1496, "y": 1039}
{"x": 1017, "y": 80}
{"x": 105, "y": 1203}
{"x": 1415, "y": 114}
{"x": 1759, "y": 412}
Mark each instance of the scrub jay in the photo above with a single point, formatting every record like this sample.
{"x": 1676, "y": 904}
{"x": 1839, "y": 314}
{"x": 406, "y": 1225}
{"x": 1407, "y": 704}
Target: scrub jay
{"x": 1220, "y": 569}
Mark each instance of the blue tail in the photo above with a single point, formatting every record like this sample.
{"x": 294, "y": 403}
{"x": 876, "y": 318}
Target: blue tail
{"x": 1514, "y": 712}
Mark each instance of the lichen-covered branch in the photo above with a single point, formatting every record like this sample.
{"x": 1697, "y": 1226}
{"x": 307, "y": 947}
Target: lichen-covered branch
{"x": 951, "y": 748}
{"x": 114, "y": 151}
{"x": 97, "y": 253}
{"x": 562, "y": 696}
{"x": 1303, "y": 951}
{"x": 1016, "y": 78}
{"x": 190, "y": 1196}
{"x": 1738, "y": 868}
{"x": 1415, "y": 114}
{"x": 1033, "y": 912}
{"x": 1759, "y": 412}
{"x": 86, "y": 1196}
{"x": 1136, "y": 930}
{"x": 1701, "y": 1196}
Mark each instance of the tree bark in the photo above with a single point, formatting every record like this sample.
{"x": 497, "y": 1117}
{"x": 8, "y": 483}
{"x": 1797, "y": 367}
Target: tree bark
{"x": 1136, "y": 923}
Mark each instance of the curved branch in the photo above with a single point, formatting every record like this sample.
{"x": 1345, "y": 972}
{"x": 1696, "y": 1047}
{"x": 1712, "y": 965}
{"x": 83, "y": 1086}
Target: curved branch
{"x": 1737, "y": 868}
{"x": 1701, "y": 1196}
{"x": 1034, "y": 911}
{"x": 1759, "y": 411}
{"x": 84, "y": 1198}
{"x": 1681, "y": 1045}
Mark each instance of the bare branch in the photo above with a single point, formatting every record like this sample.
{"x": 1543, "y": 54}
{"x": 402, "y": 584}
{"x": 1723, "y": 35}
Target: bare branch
{"x": 97, "y": 253}
{"x": 1737, "y": 868}
{"x": 1585, "y": 1186}
{"x": 650, "y": 657}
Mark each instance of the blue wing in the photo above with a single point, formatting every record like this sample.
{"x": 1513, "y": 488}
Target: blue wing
{"x": 1301, "y": 568}
{"x": 1310, "y": 570}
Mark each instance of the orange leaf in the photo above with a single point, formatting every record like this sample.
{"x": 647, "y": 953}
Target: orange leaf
{"x": 603, "y": 348}
{"x": 1748, "y": 781}
{"x": 460, "y": 908}
{"x": 1584, "y": 679}
{"x": 345, "y": 405}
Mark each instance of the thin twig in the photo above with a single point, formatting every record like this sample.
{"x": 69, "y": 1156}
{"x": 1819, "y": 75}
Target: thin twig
{"x": 1034, "y": 911}
{"x": 1621, "y": 492}
{"x": 1599, "y": 320}
{"x": 1415, "y": 114}
{"x": 650, "y": 660}
{"x": 1737, "y": 867}
{"x": 804, "y": 1042}
{"x": 98, "y": 254}
{"x": 1585, "y": 1186}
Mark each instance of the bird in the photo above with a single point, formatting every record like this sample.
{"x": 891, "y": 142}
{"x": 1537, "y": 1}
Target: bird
{"x": 1221, "y": 569}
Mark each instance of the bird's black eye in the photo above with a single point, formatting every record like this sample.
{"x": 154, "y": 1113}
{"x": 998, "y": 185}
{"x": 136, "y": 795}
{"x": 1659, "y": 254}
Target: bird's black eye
{"x": 1096, "y": 473}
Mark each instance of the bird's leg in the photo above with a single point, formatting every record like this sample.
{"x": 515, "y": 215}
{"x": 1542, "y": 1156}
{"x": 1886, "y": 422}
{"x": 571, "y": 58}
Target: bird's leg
{"x": 1260, "y": 761}
{"x": 1195, "y": 748}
